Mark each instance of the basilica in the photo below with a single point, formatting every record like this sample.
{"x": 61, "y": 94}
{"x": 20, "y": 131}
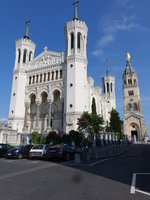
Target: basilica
{"x": 52, "y": 90}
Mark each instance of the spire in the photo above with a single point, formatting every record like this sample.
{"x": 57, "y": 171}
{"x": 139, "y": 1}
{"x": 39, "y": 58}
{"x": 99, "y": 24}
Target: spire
{"x": 27, "y": 29}
{"x": 129, "y": 70}
{"x": 107, "y": 68}
{"x": 75, "y": 14}
{"x": 128, "y": 58}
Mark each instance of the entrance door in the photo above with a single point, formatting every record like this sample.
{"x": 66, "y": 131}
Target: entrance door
{"x": 134, "y": 135}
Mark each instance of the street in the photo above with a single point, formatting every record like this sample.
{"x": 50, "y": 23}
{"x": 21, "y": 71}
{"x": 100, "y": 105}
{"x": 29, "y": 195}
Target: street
{"x": 125, "y": 177}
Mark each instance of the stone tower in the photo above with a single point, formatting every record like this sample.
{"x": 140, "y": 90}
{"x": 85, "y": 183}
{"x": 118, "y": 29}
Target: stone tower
{"x": 24, "y": 53}
{"x": 108, "y": 94}
{"x": 133, "y": 122}
{"x": 75, "y": 72}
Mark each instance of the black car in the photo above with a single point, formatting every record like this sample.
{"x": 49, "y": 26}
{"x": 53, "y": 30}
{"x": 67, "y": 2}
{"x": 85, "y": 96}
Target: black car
{"x": 62, "y": 151}
{"x": 19, "y": 152}
{"x": 4, "y": 148}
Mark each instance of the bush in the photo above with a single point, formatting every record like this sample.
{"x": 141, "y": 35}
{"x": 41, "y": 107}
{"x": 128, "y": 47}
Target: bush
{"x": 35, "y": 137}
{"x": 76, "y": 137}
{"x": 53, "y": 138}
{"x": 66, "y": 139}
{"x": 119, "y": 135}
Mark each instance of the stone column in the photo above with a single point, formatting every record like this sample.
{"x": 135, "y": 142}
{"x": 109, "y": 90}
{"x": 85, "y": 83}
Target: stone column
{"x": 25, "y": 117}
{"x": 49, "y": 114}
{"x": 37, "y": 115}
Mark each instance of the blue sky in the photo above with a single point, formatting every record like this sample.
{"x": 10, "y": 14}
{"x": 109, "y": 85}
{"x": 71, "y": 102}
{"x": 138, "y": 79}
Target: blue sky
{"x": 114, "y": 28}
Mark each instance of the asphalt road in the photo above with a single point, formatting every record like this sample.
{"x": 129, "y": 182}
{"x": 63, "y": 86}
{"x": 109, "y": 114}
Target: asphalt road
{"x": 108, "y": 180}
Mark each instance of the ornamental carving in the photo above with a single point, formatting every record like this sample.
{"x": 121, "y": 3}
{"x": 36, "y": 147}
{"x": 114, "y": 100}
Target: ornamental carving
{"x": 69, "y": 121}
{"x": 46, "y": 60}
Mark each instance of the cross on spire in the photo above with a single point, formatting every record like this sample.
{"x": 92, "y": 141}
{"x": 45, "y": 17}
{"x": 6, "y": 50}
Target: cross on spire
{"x": 107, "y": 68}
{"x": 75, "y": 14}
{"x": 27, "y": 29}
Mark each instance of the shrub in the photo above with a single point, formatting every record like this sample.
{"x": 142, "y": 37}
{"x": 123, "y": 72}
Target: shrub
{"x": 35, "y": 137}
{"x": 76, "y": 137}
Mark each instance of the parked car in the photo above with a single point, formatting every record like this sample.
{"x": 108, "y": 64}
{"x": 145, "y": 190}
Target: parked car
{"x": 19, "y": 152}
{"x": 62, "y": 151}
{"x": 4, "y": 148}
{"x": 39, "y": 151}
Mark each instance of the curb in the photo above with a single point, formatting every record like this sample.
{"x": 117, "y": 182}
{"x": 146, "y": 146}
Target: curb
{"x": 86, "y": 164}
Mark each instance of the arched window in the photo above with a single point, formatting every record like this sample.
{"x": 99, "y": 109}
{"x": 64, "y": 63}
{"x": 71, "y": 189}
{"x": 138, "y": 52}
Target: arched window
{"x": 60, "y": 74}
{"x": 134, "y": 81}
{"x": 30, "y": 80}
{"x": 40, "y": 78}
{"x": 56, "y": 75}
{"x": 33, "y": 79}
{"x": 111, "y": 86}
{"x": 19, "y": 55}
{"x": 107, "y": 87}
{"x": 129, "y": 81}
{"x": 135, "y": 106}
{"x": 129, "y": 107}
{"x": 48, "y": 78}
{"x": 79, "y": 41}
{"x": 37, "y": 77}
{"x": 30, "y": 55}
{"x": 72, "y": 40}
{"x": 24, "y": 56}
{"x": 52, "y": 75}
{"x": 44, "y": 77}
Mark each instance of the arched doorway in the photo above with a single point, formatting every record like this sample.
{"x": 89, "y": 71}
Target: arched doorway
{"x": 133, "y": 131}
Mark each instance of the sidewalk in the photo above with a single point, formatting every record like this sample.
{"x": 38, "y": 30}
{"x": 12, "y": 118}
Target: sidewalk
{"x": 102, "y": 155}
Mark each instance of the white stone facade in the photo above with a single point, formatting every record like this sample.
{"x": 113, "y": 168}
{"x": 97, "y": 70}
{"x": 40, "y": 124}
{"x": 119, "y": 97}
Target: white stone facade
{"x": 52, "y": 90}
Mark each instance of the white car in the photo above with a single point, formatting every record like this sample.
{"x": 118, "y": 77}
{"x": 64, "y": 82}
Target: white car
{"x": 38, "y": 151}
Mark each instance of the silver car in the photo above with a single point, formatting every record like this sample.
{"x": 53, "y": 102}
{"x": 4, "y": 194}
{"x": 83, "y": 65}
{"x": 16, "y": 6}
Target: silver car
{"x": 38, "y": 151}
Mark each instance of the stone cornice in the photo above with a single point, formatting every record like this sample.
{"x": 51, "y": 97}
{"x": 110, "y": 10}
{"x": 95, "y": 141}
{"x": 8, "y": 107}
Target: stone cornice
{"x": 25, "y": 40}
{"x": 71, "y": 59}
{"x": 50, "y": 83}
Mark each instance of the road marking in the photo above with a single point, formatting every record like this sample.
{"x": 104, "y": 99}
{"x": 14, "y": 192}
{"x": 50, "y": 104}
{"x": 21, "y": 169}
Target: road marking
{"x": 132, "y": 191}
{"x": 133, "y": 185}
{"x": 140, "y": 191}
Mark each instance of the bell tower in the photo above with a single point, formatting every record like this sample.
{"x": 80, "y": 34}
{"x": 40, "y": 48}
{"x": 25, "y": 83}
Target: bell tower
{"x": 25, "y": 49}
{"x": 108, "y": 93}
{"x": 75, "y": 82}
{"x": 133, "y": 122}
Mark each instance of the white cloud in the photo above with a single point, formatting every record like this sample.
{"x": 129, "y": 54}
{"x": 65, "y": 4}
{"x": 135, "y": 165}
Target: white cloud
{"x": 110, "y": 28}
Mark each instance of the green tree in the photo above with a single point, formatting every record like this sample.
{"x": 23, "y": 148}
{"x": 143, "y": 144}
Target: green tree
{"x": 107, "y": 127}
{"x": 92, "y": 122}
{"x": 84, "y": 121}
{"x": 96, "y": 123}
{"x": 94, "y": 107}
{"x": 76, "y": 137}
{"x": 115, "y": 122}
